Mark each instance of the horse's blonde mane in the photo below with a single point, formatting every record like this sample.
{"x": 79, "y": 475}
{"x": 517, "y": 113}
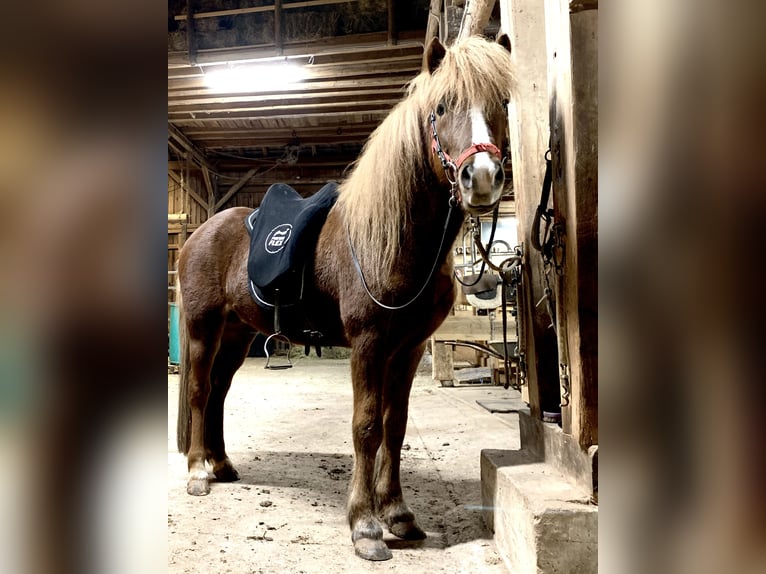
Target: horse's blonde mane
{"x": 376, "y": 196}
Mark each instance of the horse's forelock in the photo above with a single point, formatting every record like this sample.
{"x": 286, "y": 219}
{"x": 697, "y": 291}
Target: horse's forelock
{"x": 473, "y": 71}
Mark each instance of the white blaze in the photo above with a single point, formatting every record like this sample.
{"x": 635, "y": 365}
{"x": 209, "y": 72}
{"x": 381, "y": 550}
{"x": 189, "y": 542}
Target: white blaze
{"x": 480, "y": 134}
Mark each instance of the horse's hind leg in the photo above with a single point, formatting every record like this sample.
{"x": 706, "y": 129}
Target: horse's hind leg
{"x": 235, "y": 343}
{"x": 389, "y": 501}
{"x": 204, "y": 340}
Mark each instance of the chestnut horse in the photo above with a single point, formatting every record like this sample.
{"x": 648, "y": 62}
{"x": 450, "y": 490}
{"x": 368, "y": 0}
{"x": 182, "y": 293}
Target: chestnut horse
{"x": 380, "y": 282}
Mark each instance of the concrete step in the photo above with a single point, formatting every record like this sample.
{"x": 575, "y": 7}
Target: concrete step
{"x": 542, "y": 522}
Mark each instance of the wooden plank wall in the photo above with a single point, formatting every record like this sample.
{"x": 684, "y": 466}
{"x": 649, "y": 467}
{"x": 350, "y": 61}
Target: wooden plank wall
{"x": 180, "y": 202}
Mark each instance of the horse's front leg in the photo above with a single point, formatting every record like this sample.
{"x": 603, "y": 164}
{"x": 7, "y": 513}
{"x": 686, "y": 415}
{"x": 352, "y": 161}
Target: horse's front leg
{"x": 367, "y": 430}
{"x": 389, "y": 501}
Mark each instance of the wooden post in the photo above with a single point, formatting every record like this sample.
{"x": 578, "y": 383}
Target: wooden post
{"x": 392, "y": 32}
{"x": 278, "y": 42}
{"x": 442, "y": 365}
{"x": 524, "y": 22}
{"x": 434, "y": 20}
{"x": 210, "y": 192}
{"x": 476, "y": 17}
{"x": 191, "y": 41}
{"x": 572, "y": 40}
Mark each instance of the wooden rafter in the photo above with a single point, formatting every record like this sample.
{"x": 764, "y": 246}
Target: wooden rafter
{"x": 304, "y": 90}
{"x": 255, "y": 9}
{"x": 277, "y": 101}
{"x": 322, "y": 50}
{"x": 353, "y": 81}
{"x": 187, "y": 145}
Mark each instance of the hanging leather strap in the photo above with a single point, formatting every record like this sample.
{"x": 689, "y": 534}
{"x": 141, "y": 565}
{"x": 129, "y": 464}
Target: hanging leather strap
{"x": 506, "y": 357}
{"x": 542, "y": 212}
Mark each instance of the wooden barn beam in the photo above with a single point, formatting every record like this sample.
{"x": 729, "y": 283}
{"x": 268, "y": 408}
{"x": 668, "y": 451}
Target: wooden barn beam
{"x": 191, "y": 42}
{"x": 392, "y": 31}
{"x": 476, "y": 18}
{"x": 235, "y": 188}
{"x": 278, "y": 40}
{"x": 325, "y": 50}
{"x": 398, "y": 69}
{"x": 572, "y": 40}
{"x": 434, "y": 21}
{"x": 397, "y": 81}
{"x": 177, "y": 178}
{"x": 287, "y": 131}
{"x": 257, "y": 113}
{"x": 186, "y": 143}
{"x": 255, "y": 142}
{"x": 176, "y": 150}
{"x": 524, "y": 22}
{"x": 207, "y": 102}
{"x": 378, "y": 114}
{"x": 255, "y": 9}
{"x": 210, "y": 192}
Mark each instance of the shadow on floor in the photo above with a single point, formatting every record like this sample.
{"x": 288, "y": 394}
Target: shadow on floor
{"x": 449, "y": 509}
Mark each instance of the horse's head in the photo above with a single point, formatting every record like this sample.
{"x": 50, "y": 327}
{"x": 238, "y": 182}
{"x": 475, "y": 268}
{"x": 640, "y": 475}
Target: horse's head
{"x": 466, "y": 90}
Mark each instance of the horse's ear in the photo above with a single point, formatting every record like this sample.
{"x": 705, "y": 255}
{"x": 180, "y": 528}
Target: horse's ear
{"x": 504, "y": 40}
{"x": 433, "y": 55}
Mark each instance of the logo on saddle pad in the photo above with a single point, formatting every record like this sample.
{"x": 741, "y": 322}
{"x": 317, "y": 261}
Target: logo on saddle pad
{"x": 278, "y": 238}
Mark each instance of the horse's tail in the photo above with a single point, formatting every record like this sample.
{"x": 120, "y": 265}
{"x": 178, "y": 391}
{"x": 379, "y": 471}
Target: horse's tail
{"x": 183, "y": 436}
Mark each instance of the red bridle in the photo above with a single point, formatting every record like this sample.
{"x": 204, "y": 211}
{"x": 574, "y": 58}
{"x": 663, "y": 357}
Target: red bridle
{"x": 451, "y": 168}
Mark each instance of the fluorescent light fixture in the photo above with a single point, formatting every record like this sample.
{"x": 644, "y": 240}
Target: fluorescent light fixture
{"x": 254, "y": 77}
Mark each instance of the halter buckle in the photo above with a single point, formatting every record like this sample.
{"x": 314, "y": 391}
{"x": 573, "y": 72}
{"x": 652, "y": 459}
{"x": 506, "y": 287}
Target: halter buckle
{"x": 450, "y": 170}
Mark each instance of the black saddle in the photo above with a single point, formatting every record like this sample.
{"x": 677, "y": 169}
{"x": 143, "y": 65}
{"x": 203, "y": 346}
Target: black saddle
{"x": 283, "y": 233}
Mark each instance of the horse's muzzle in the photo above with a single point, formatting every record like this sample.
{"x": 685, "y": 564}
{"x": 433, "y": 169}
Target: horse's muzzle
{"x": 481, "y": 179}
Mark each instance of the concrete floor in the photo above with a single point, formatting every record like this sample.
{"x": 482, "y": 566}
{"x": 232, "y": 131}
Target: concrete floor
{"x": 289, "y": 435}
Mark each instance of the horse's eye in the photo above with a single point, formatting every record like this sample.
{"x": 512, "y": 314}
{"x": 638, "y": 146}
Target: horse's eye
{"x": 440, "y": 109}
{"x": 505, "y": 103}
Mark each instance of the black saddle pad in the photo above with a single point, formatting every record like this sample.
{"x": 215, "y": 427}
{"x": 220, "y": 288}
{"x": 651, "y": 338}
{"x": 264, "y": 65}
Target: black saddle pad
{"x": 283, "y": 232}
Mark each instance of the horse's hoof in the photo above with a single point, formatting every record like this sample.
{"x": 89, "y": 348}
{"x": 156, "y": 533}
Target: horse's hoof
{"x": 407, "y": 530}
{"x": 370, "y": 549}
{"x": 198, "y": 485}
{"x": 227, "y": 473}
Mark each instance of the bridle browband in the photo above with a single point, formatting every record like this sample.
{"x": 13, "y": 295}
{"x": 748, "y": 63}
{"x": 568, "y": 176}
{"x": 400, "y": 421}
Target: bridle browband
{"x": 452, "y": 168}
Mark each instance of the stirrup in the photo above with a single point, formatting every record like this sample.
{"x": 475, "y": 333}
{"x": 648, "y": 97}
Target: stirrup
{"x": 277, "y": 337}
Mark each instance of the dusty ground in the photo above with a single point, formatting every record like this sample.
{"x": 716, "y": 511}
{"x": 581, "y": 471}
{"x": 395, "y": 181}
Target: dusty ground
{"x": 288, "y": 434}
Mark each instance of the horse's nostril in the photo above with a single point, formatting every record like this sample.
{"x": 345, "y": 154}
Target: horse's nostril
{"x": 466, "y": 176}
{"x": 499, "y": 177}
